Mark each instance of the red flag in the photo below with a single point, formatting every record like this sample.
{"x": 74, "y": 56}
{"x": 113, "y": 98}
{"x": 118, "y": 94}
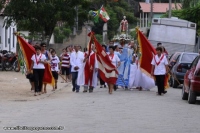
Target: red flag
{"x": 48, "y": 77}
{"x": 28, "y": 51}
{"x": 148, "y": 52}
{"x": 107, "y": 70}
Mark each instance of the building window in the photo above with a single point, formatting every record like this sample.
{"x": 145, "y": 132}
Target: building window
{"x": 13, "y": 38}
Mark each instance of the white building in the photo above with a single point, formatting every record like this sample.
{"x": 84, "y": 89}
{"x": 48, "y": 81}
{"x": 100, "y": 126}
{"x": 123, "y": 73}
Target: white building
{"x": 8, "y": 40}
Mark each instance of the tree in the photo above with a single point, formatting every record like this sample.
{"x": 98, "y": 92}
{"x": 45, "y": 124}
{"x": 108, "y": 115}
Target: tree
{"x": 160, "y": 1}
{"x": 61, "y": 32}
{"x": 116, "y": 10}
{"x": 41, "y": 15}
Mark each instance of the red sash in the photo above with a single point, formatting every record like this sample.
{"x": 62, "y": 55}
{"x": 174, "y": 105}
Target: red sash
{"x": 37, "y": 61}
{"x": 157, "y": 63}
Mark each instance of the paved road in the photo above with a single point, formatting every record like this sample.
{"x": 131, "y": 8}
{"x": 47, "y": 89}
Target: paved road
{"x": 99, "y": 112}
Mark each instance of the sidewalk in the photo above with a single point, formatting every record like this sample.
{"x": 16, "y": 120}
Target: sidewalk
{"x": 15, "y": 87}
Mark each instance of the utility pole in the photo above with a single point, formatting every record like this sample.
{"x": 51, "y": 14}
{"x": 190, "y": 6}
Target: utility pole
{"x": 170, "y": 8}
{"x": 151, "y": 15}
{"x": 76, "y": 18}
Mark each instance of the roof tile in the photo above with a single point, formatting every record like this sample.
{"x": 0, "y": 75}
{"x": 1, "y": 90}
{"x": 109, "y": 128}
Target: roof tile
{"x": 158, "y": 7}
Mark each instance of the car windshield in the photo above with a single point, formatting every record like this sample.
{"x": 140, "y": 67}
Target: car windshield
{"x": 188, "y": 57}
{"x": 176, "y": 56}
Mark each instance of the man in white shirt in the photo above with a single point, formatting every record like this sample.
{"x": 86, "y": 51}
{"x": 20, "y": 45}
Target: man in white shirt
{"x": 159, "y": 69}
{"x": 76, "y": 61}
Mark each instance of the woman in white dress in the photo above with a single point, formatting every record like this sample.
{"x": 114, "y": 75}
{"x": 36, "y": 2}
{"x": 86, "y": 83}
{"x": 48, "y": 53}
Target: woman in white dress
{"x": 115, "y": 61}
{"x": 133, "y": 70}
{"x": 139, "y": 79}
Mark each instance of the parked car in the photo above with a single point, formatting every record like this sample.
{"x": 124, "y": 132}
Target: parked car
{"x": 191, "y": 85}
{"x": 173, "y": 58}
{"x": 182, "y": 64}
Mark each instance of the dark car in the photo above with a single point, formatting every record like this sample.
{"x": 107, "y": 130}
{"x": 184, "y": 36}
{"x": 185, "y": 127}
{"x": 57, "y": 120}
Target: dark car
{"x": 191, "y": 85}
{"x": 182, "y": 64}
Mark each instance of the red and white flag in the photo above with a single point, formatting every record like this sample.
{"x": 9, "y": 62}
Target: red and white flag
{"x": 103, "y": 14}
{"x": 107, "y": 70}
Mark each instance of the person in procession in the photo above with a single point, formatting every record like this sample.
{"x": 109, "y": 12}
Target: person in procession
{"x": 37, "y": 66}
{"x": 164, "y": 51}
{"x": 29, "y": 75}
{"x": 88, "y": 74}
{"x": 117, "y": 51}
{"x": 102, "y": 83}
{"x": 76, "y": 61}
{"x": 159, "y": 69}
{"x": 116, "y": 62}
{"x": 54, "y": 67}
{"x": 70, "y": 50}
{"x": 138, "y": 78}
{"x": 65, "y": 66}
{"x": 48, "y": 58}
{"x": 138, "y": 74}
{"x": 50, "y": 49}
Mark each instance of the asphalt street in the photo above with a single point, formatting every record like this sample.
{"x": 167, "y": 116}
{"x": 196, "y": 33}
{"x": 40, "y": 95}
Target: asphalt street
{"x": 98, "y": 112}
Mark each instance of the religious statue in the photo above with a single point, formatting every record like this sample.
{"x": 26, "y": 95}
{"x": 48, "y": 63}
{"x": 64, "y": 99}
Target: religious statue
{"x": 124, "y": 25}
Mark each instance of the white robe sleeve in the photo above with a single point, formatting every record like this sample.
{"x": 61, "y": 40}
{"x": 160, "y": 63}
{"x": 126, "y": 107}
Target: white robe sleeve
{"x": 72, "y": 61}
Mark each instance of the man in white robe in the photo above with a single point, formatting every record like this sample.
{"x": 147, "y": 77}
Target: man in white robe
{"x": 88, "y": 74}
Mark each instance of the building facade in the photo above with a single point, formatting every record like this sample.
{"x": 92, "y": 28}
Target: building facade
{"x": 159, "y": 9}
{"x": 8, "y": 40}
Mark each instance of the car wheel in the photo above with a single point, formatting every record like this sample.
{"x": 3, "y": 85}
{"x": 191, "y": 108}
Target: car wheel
{"x": 175, "y": 83}
{"x": 184, "y": 94}
{"x": 191, "y": 97}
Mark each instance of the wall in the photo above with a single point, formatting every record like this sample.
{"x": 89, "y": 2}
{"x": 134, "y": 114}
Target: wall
{"x": 7, "y": 38}
{"x": 80, "y": 38}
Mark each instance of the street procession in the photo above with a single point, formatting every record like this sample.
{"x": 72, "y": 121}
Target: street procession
{"x": 116, "y": 65}
{"x": 72, "y": 66}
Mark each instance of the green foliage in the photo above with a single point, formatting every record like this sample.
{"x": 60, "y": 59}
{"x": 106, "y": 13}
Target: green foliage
{"x": 161, "y": 1}
{"x": 116, "y": 11}
{"x": 61, "y": 33}
{"x": 189, "y": 3}
{"x": 133, "y": 34}
{"x": 43, "y": 15}
{"x": 99, "y": 38}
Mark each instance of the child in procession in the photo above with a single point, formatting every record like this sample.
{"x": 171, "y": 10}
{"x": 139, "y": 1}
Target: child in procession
{"x": 54, "y": 67}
